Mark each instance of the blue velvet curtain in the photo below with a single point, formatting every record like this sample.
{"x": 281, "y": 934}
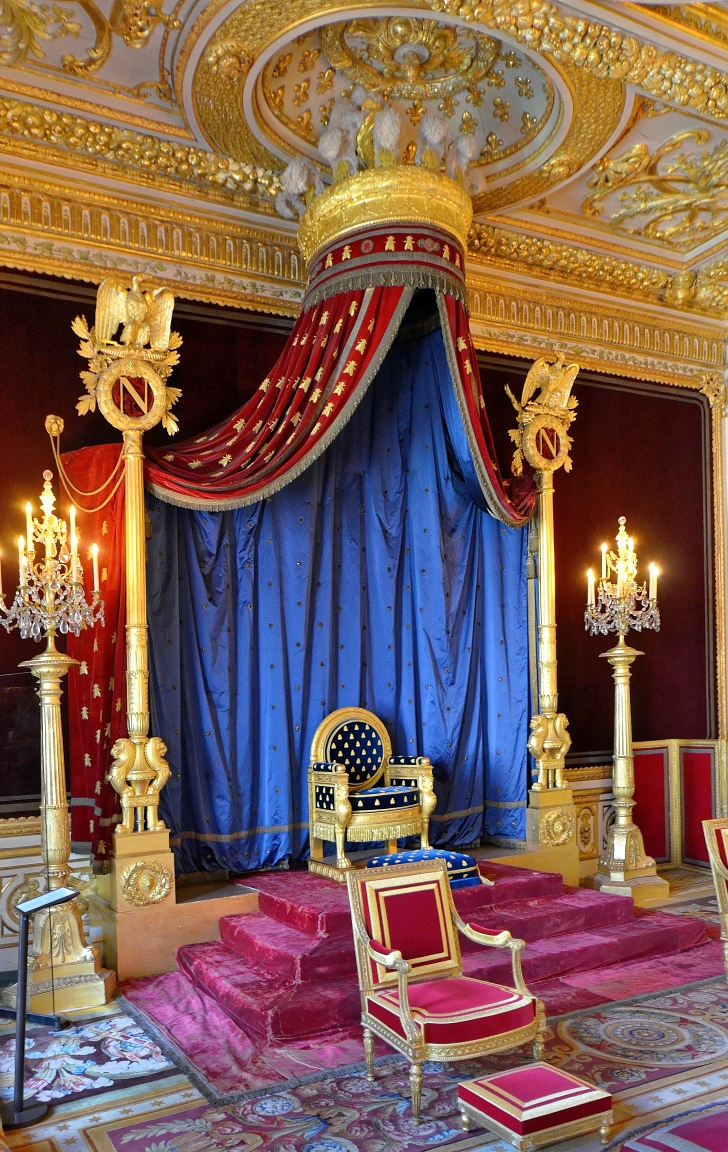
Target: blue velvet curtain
{"x": 373, "y": 579}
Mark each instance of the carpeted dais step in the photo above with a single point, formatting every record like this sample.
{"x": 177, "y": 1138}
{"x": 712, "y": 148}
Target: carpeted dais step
{"x": 269, "y": 1005}
{"x": 577, "y": 910}
{"x": 267, "y": 943}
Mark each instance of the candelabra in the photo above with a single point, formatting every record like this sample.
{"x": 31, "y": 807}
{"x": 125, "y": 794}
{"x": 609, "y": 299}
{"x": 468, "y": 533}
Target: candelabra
{"x": 51, "y": 599}
{"x": 618, "y": 606}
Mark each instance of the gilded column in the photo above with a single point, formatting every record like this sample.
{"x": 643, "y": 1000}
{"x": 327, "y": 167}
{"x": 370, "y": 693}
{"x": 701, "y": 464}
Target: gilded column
{"x": 130, "y": 386}
{"x": 542, "y": 439}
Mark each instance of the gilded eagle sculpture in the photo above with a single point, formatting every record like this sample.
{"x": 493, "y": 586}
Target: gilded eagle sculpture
{"x": 146, "y": 316}
{"x": 542, "y": 437}
{"x": 146, "y": 352}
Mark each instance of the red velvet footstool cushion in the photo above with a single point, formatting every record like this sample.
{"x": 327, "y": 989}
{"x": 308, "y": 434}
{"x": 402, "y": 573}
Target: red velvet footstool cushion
{"x": 534, "y": 1099}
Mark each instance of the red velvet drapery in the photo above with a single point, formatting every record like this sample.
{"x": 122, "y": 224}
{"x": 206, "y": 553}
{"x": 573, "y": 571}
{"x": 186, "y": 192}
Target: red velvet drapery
{"x": 97, "y": 688}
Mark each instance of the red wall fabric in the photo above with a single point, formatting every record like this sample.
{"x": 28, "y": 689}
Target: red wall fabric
{"x": 652, "y": 797}
{"x": 97, "y": 688}
{"x": 697, "y": 777}
{"x": 640, "y": 451}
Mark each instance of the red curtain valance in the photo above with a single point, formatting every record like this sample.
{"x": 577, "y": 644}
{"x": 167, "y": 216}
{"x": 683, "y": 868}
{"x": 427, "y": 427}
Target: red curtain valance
{"x": 336, "y": 348}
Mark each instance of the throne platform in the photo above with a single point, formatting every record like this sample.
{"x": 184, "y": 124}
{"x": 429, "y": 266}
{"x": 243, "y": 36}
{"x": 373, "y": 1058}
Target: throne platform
{"x": 287, "y": 972}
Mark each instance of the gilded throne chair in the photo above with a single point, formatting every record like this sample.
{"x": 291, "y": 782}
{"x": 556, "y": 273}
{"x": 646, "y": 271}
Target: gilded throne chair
{"x": 358, "y": 791}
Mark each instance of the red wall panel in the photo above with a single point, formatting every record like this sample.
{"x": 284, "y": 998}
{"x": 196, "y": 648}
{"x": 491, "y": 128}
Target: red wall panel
{"x": 697, "y": 778}
{"x": 652, "y": 801}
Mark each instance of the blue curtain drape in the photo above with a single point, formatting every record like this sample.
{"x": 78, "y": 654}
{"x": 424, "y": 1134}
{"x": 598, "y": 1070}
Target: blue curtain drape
{"x": 373, "y": 579}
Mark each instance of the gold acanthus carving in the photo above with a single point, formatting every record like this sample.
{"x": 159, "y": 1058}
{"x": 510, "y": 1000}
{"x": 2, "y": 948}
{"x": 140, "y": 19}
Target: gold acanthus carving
{"x": 23, "y": 24}
{"x": 715, "y": 388}
{"x": 557, "y": 828}
{"x": 121, "y": 151}
{"x": 598, "y": 48}
{"x": 673, "y": 194}
{"x": 146, "y": 882}
{"x": 709, "y": 19}
{"x": 407, "y": 57}
{"x": 133, "y": 21}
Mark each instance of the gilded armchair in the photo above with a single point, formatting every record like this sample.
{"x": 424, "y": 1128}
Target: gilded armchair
{"x": 716, "y": 839}
{"x": 358, "y": 791}
{"x": 414, "y": 995}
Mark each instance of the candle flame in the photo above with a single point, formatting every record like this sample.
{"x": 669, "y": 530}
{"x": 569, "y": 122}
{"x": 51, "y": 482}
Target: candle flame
{"x": 95, "y": 549}
{"x": 21, "y": 541}
{"x": 655, "y": 569}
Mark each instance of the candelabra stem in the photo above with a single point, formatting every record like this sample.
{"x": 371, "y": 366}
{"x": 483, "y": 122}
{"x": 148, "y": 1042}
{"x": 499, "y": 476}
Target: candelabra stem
{"x": 625, "y": 869}
{"x": 63, "y": 972}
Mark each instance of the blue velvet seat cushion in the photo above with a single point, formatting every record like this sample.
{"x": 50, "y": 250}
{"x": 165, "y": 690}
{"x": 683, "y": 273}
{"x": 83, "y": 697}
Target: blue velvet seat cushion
{"x": 386, "y": 799}
{"x": 462, "y": 870}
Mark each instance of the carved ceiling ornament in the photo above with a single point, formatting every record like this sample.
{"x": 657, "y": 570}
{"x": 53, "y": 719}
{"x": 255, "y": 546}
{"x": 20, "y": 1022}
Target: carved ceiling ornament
{"x": 23, "y": 24}
{"x": 676, "y": 193}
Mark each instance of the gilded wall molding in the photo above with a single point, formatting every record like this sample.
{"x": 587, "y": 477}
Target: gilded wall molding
{"x": 599, "y": 48}
{"x": 604, "y": 335}
{"x": 82, "y": 235}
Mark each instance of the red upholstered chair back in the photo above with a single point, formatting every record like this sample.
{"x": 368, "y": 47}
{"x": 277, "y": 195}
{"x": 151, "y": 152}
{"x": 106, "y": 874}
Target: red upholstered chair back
{"x": 406, "y": 908}
{"x": 716, "y": 838}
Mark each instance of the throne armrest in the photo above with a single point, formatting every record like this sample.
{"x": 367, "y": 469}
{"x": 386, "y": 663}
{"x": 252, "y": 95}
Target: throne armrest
{"x": 502, "y": 939}
{"x": 408, "y": 771}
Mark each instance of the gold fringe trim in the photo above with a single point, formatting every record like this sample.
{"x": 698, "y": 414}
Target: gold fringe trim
{"x": 383, "y": 831}
{"x": 403, "y": 275}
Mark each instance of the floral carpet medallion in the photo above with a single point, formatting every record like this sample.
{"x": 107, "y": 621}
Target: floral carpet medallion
{"x": 97, "y": 1055}
{"x": 637, "y": 1035}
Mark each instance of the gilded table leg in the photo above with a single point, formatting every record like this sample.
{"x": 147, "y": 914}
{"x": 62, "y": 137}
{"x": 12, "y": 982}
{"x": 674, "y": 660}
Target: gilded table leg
{"x": 467, "y": 1122}
{"x": 416, "y": 1086}
{"x": 369, "y": 1052}
{"x": 604, "y": 1133}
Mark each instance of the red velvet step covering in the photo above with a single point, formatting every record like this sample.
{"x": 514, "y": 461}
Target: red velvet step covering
{"x": 288, "y": 971}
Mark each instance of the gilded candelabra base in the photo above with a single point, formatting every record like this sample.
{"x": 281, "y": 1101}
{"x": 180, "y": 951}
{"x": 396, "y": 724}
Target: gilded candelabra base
{"x": 63, "y": 971}
{"x": 625, "y": 869}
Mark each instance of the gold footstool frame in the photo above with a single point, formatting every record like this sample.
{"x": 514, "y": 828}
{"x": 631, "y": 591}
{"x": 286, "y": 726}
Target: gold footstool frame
{"x": 351, "y": 755}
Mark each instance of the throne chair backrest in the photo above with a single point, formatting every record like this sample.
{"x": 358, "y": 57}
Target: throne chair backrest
{"x": 406, "y": 908}
{"x": 356, "y": 739}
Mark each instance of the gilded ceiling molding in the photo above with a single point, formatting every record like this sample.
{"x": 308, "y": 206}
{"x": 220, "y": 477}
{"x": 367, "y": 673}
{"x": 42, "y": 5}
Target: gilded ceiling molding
{"x": 42, "y": 133}
{"x": 83, "y": 235}
{"x": 606, "y": 336}
{"x": 598, "y": 106}
{"x": 601, "y": 49}
{"x": 709, "y": 19}
{"x": 33, "y": 93}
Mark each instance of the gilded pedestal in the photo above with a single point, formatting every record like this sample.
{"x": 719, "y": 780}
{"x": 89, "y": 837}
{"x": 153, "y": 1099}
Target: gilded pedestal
{"x": 626, "y": 870}
{"x": 64, "y": 973}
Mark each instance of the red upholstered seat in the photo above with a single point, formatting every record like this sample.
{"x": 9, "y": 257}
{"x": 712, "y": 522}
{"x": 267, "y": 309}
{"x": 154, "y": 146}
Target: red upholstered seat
{"x": 457, "y": 1010}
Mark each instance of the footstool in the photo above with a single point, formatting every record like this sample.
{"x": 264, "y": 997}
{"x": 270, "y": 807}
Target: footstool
{"x": 534, "y": 1106}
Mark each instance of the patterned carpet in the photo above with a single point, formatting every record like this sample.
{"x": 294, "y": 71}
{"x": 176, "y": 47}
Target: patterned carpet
{"x": 661, "y": 1055}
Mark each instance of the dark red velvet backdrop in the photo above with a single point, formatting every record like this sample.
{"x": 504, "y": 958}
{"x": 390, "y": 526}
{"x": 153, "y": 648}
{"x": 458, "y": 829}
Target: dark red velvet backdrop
{"x": 640, "y": 451}
{"x": 225, "y": 354}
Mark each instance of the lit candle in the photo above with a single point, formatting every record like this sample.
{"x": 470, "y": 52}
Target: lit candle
{"x": 29, "y": 525}
{"x": 21, "y": 561}
{"x": 654, "y": 572}
{"x": 95, "y": 553}
{"x": 1, "y": 583}
{"x": 74, "y": 558}
{"x": 74, "y": 541}
{"x": 620, "y": 579}
{"x": 604, "y": 561}
{"x": 590, "y": 588}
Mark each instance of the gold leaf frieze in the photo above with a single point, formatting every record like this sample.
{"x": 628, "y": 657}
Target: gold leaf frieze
{"x": 23, "y": 24}
{"x": 675, "y": 193}
{"x": 601, "y": 49}
{"x": 132, "y": 153}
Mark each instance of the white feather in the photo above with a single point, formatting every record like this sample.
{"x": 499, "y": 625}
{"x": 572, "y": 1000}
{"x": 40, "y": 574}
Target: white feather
{"x": 387, "y": 126}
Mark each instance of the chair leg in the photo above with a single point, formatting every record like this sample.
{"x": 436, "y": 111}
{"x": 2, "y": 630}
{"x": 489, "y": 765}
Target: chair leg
{"x": 369, "y": 1052}
{"x": 466, "y": 1120}
{"x": 604, "y": 1134}
{"x": 537, "y": 1047}
{"x": 392, "y": 847}
{"x": 416, "y": 1087}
